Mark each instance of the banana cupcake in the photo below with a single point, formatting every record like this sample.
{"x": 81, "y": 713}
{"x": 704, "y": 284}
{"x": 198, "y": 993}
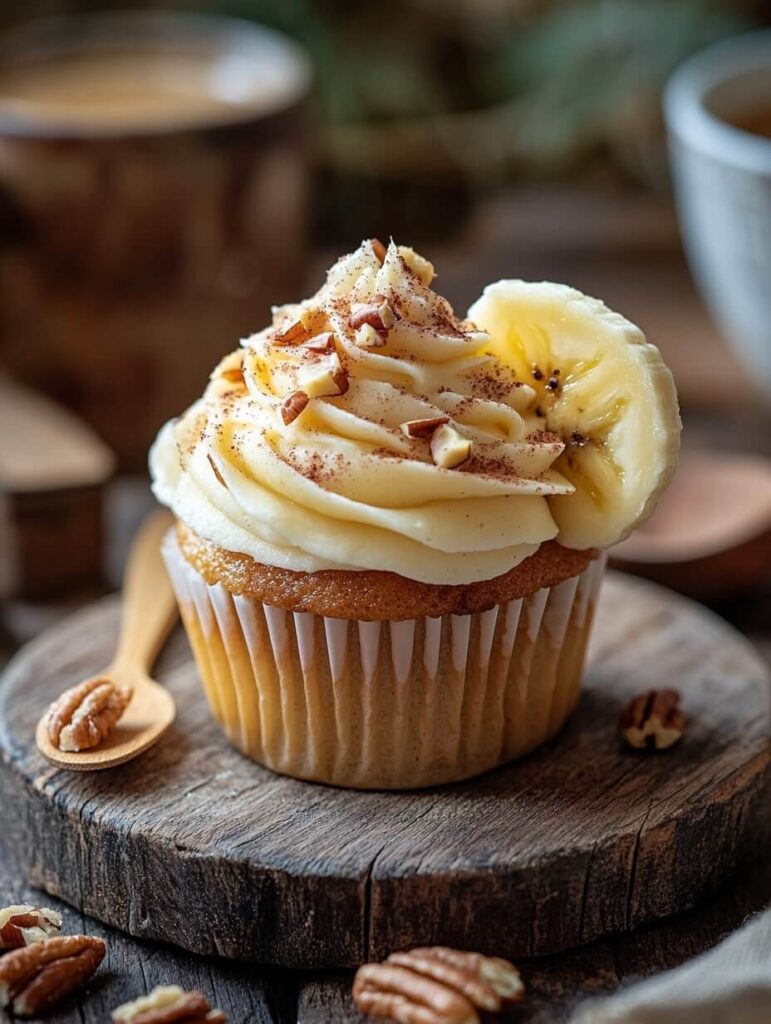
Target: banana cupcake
{"x": 391, "y": 522}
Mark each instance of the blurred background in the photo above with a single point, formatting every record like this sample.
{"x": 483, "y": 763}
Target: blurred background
{"x": 499, "y": 137}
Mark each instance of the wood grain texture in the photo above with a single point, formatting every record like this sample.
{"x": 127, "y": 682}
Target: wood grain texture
{"x": 195, "y": 845}
{"x": 252, "y": 995}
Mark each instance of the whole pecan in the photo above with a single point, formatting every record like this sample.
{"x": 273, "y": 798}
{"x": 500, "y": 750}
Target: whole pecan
{"x": 23, "y": 924}
{"x": 37, "y": 977}
{"x": 436, "y": 985}
{"x": 168, "y": 1004}
{"x": 653, "y": 720}
{"x": 85, "y": 714}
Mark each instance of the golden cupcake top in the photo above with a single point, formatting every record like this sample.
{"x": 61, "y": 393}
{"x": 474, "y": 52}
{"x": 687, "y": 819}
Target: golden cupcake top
{"x": 368, "y": 427}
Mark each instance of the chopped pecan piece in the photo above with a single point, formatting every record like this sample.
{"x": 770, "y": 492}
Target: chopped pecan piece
{"x": 216, "y": 471}
{"x": 378, "y": 248}
{"x": 423, "y": 428}
{"x": 293, "y": 405}
{"x": 367, "y": 337}
{"x": 324, "y": 377}
{"x": 292, "y": 334}
{"x": 168, "y": 1004}
{"x": 323, "y": 343}
{"x": 85, "y": 714}
{"x": 37, "y": 977}
{"x": 377, "y": 313}
{"x": 653, "y": 720}
{"x": 436, "y": 986}
{"x": 340, "y": 378}
{"x": 23, "y": 924}
{"x": 449, "y": 448}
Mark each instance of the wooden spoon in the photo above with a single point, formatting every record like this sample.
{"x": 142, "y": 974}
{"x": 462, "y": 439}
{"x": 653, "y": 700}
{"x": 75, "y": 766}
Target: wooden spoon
{"x": 710, "y": 535}
{"x": 149, "y": 612}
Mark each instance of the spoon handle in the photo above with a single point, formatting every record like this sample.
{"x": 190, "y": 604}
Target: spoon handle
{"x": 149, "y": 607}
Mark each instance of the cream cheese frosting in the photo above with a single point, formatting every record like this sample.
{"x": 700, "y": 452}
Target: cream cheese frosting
{"x": 366, "y": 428}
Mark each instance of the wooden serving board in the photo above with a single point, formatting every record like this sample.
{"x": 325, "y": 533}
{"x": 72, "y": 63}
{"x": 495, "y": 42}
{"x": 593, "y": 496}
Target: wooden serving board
{"x": 197, "y": 846}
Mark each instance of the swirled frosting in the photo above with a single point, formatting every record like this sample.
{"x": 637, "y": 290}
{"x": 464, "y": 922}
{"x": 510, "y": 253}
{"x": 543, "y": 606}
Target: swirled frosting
{"x": 299, "y": 453}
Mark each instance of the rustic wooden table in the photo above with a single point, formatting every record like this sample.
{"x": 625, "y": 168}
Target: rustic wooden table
{"x": 654, "y": 289}
{"x": 250, "y": 995}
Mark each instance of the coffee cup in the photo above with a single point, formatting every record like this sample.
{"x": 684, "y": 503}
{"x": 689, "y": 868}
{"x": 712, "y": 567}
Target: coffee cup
{"x": 715, "y": 106}
{"x": 153, "y": 204}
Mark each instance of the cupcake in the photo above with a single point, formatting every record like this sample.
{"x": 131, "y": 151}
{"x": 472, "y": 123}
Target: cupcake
{"x": 391, "y": 523}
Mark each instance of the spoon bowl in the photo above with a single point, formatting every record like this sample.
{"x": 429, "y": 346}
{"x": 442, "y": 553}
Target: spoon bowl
{"x": 149, "y": 612}
{"x": 150, "y": 713}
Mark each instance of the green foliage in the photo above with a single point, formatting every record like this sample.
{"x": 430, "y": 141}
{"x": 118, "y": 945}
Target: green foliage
{"x": 587, "y": 66}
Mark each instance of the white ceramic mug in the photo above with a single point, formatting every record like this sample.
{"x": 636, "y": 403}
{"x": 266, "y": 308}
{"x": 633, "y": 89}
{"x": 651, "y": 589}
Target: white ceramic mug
{"x": 722, "y": 178}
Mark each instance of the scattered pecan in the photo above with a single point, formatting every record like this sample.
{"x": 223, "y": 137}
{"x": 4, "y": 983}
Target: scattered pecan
{"x": 85, "y": 714}
{"x": 423, "y": 428}
{"x": 293, "y": 405}
{"x": 436, "y": 985}
{"x": 653, "y": 720}
{"x": 168, "y": 1004}
{"x": 37, "y": 977}
{"x": 378, "y": 248}
{"x": 23, "y": 924}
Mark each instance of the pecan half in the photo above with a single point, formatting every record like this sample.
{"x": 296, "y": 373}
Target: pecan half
{"x": 436, "y": 985}
{"x": 653, "y": 720}
{"x": 23, "y": 924}
{"x": 168, "y": 1004}
{"x": 37, "y": 977}
{"x": 293, "y": 405}
{"x": 323, "y": 377}
{"x": 85, "y": 714}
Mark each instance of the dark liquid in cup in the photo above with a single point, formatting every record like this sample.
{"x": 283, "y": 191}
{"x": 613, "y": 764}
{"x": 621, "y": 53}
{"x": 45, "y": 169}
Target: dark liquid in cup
{"x": 756, "y": 122}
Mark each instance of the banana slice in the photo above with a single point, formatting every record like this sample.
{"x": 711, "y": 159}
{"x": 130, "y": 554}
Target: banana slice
{"x": 603, "y": 388}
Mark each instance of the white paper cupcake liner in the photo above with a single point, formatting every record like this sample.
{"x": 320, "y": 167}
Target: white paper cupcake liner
{"x": 387, "y": 704}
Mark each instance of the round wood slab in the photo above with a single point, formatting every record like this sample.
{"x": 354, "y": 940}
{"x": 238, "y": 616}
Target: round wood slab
{"x": 195, "y": 845}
